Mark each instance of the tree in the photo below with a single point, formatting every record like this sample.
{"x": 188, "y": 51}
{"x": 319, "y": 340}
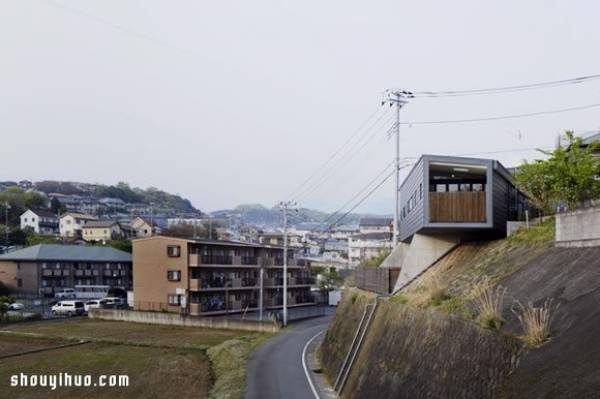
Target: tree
{"x": 122, "y": 243}
{"x": 56, "y": 207}
{"x": 329, "y": 280}
{"x": 376, "y": 261}
{"x": 575, "y": 171}
{"x": 569, "y": 175}
{"x": 536, "y": 181}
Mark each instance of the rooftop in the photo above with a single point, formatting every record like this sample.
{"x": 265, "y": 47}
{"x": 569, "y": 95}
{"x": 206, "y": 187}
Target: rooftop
{"x": 68, "y": 253}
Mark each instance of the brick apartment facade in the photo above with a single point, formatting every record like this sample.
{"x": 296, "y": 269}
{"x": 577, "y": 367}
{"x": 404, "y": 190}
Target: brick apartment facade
{"x": 209, "y": 277}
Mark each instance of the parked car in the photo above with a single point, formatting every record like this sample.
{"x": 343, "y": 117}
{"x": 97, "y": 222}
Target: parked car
{"x": 16, "y": 306}
{"x": 94, "y": 304}
{"x": 69, "y": 308}
{"x": 115, "y": 302}
{"x": 65, "y": 293}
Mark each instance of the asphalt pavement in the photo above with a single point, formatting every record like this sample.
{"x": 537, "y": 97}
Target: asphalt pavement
{"x": 276, "y": 368}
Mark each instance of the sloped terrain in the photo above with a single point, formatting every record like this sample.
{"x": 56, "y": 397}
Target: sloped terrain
{"x": 423, "y": 347}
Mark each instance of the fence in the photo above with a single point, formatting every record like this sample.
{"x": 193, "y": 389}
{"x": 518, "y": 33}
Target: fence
{"x": 184, "y": 320}
{"x": 376, "y": 279}
{"x": 457, "y": 207}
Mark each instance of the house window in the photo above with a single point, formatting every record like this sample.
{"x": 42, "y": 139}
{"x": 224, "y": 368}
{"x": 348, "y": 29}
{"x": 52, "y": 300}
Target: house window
{"x": 174, "y": 275}
{"x": 33, "y": 219}
{"x": 174, "y": 299}
{"x": 173, "y": 251}
{"x": 25, "y": 220}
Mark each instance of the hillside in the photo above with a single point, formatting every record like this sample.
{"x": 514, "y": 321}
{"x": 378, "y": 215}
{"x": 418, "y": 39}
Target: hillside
{"x": 260, "y": 215}
{"x": 428, "y": 341}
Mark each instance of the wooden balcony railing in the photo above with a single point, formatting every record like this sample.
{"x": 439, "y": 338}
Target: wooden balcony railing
{"x": 457, "y": 207}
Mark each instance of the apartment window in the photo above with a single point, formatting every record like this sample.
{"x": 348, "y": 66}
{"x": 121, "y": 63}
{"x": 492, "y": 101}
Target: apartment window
{"x": 174, "y": 299}
{"x": 173, "y": 251}
{"x": 174, "y": 275}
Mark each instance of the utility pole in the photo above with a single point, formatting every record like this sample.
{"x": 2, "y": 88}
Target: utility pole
{"x": 285, "y": 207}
{"x": 6, "y": 208}
{"x": 398, "y": 97}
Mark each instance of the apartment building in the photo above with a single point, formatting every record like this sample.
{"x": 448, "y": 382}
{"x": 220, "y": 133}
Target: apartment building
{"x": 210, "y": 277}
{"x": 44, "y": 269}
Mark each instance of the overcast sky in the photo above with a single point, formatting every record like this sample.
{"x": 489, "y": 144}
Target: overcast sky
{"x": 231, "y": 102}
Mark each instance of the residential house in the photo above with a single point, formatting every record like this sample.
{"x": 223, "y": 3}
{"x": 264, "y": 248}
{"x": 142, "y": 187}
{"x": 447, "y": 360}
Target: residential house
{"x": 71, "y": 224}
{"x": 375, "y": 225}
{"x": 46, "y": 268}
{"x": 144, "y": 227}
{"x": 102, "y": 230}
{"x": 293, "y": 240}
{"x": 210, "y": 277}
{"x": 445, "y": 194}
{"x": 362, "y": 247}
{"x": 41, "y": 221}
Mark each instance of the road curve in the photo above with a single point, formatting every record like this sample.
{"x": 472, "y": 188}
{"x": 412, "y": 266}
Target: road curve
{"x": 275, "y": 367}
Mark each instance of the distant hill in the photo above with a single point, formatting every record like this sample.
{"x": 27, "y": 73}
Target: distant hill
{"x": 260, "y": 215}
{"x": 163, "y": 201}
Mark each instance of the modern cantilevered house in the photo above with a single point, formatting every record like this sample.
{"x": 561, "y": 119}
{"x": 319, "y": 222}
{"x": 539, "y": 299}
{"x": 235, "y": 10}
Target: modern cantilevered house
{"x": 447, "y": 200}
{"x": 210, "y": 277}
{"x": 445, "y": 194}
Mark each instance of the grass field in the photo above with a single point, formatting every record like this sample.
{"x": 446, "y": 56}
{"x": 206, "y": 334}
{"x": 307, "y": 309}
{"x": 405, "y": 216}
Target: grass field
{"x": 160, "y": 361}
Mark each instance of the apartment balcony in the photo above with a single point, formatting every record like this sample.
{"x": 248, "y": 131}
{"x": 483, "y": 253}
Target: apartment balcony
{"x": 195, "y": 284}
{"x": 273, "y": 302}
{"x": 457, "y": 207}
{"x": 113, "y": 273}
{"x": 55, "y": 273}
{"x": 87, "y": 273}
{"x": 201, "y": 260}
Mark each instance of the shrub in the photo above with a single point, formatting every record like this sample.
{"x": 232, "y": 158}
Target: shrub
{"x": 488, "y": 304}
{"x": 399, "y": 298}
{"x": 429, "y": 293}
{"x": 536, "y": 321}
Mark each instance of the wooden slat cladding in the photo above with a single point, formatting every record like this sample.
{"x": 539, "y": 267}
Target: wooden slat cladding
{"x": 376, "y": 279}
{"x": 462, "y": 206}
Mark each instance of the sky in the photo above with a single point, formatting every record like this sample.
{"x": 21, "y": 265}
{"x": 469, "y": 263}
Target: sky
{"x": 235, "y": 102}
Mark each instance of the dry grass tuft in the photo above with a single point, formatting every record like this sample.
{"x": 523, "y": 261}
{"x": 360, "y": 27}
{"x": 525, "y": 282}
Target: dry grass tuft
{"x": 430, "y": 292}
{"x": 488, "y": 303}
{"x": 536, "y": 321}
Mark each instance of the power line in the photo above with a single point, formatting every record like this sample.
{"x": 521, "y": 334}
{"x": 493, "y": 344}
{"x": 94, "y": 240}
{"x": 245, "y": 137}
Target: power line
{"x": 351, "y": 152}
{"x": 360, "y": 202}
{"x": 495, "y": 118}
{"x": 506, "y": 89}
{"x": 348, "y": 157}
{"x": 366, "y": 187}
{"x": 336, "y": 152}
{"x": 117, "y": 27}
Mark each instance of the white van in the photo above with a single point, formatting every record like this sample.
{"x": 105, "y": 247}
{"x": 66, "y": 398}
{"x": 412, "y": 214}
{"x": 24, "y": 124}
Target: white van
{"x": 68, "y": 308}
{"x": 65, "y": 293}
{"x": 94, "y": 304}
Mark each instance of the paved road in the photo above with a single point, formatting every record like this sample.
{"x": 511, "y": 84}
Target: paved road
{"x": 275, "y": 368}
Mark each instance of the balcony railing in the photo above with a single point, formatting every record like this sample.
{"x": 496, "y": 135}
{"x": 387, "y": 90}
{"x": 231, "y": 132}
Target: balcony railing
{"x": 457, "y": 207}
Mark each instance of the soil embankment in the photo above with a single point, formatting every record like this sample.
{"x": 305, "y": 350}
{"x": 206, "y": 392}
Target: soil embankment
{"x": 441, "y": 351}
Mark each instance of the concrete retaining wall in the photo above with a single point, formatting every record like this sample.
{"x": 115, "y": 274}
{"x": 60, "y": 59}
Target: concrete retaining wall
{"x": 414, "y": 353}
{"x": 579, "y": 228}
{"x": 183, "y": 320}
